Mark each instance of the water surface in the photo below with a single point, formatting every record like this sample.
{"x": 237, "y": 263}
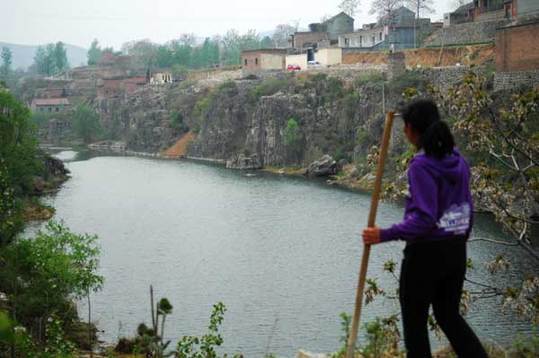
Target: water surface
{"x": 282, "y": 254}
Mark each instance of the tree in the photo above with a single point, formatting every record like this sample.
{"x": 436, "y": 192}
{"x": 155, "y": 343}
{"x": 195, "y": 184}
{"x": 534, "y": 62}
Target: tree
{"x": 231, "y": 47}
{"x": 292, "y": 138}
{"x": 384, "y": 8}
{"x": 144, "y": 52}
{"x": 418, "y": 5}
{"x": 281, "y": 35}
{"x": 5, "y": 68}
{"x": 94, "y": 53}
{"x": 349, "y": 6}
{"x": 266, "y": 42}
{"x": 51, "y": 59}
{"x": 18, "y": 146}
{"x": 86, "y": 123}
{"x": 60, "y": 57}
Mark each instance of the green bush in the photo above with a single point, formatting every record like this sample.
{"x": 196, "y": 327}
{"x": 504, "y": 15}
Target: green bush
{"x": 43, "y": 275}
{"x": 270, "y": 86}
{"x": 86, "y": 123}
{"x": 18, "y": 145}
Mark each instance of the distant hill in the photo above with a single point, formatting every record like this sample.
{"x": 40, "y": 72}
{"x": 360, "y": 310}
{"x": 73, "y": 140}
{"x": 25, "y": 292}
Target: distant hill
{"x": 23, "y": 55}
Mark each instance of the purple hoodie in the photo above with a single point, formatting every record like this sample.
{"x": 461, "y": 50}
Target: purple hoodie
{"x": 439, "y": 204}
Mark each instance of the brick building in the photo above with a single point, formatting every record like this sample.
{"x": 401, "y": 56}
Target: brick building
{"x": 517, "y": 48}
{"x": 253, "y": 61}
{"x": 50, "y": 105}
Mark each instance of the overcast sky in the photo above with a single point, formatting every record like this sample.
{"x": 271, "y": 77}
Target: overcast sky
{"x": 114, "y": 22}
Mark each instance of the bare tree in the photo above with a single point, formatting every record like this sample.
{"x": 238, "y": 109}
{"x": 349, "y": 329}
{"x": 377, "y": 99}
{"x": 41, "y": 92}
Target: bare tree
{"x": 384, "y": 8}
{"x": 420, "y": 5}
{"x": 282, "y": 34}
{"x": 349, "y": 7}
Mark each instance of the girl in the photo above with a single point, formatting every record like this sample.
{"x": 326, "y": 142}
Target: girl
{"x": 436, "y": 225}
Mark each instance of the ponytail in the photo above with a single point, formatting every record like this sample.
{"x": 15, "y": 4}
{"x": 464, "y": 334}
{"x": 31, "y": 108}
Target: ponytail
{"x": 435, "y": 136}
{"x": 437, "y": 141}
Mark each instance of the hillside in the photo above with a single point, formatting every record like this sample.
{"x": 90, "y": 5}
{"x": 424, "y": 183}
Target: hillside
{"x": 23, "y": 55}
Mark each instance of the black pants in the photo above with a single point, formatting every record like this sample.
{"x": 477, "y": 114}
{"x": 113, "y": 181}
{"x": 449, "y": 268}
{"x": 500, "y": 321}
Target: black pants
{"x": 433, "y": 273}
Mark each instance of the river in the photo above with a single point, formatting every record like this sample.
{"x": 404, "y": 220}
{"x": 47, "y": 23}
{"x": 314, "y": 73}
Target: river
{"x": 281, "y": 253}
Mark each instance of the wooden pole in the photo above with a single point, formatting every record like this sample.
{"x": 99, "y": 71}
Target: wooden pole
{"x": 367, "y": 248}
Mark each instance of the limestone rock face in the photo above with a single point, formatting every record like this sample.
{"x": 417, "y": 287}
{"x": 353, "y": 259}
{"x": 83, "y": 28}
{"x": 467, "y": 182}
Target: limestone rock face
{"x": 323, "y": 167}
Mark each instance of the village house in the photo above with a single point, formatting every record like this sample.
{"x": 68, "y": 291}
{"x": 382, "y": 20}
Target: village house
{"x": 50, "y": 105}
{"x": 398, "y": 30}
{"x": 323, "y": 34}
{"x": 517, "y": 48}
{"x": 491, "y": 10}
{"x": 116, "y": 87}
{"x": 255, "y": 61}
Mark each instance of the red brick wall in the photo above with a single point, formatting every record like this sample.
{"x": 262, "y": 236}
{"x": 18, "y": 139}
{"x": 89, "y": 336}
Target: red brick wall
{"x": 251, "y": 61}
{"x": 517, "y": 48}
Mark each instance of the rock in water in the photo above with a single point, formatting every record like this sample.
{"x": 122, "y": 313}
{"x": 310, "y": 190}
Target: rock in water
{"x": 325, "y": 166}
{"x": 243, "y": 162}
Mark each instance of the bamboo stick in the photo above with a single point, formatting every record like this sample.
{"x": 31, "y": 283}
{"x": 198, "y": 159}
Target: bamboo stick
{"x": 371, "y": 222}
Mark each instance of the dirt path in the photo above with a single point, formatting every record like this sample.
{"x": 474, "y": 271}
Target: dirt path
{"x": 179, "y": 149}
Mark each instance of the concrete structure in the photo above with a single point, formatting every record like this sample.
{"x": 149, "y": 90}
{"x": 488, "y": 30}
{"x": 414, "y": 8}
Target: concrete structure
{"x": 297, "y": 60}
{"x": 50, "y": 105}
{"x": 253, "y": 61}
{"x": 328, "y": 56}
{"x": 397, "y": 30}
{"x": 160, "y": 78}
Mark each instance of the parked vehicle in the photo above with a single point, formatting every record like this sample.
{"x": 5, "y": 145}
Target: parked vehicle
{"x": 293, "y": 68}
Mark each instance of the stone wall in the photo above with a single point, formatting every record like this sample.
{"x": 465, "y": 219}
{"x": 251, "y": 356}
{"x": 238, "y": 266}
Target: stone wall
{"x": 445, "y": 77}
{"x": 514, "y": 80}
{"x": 462, "y": 34}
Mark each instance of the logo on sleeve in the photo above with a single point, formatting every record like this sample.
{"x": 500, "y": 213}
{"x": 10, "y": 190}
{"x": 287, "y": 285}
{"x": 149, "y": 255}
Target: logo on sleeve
{"x": 456, "y": 219}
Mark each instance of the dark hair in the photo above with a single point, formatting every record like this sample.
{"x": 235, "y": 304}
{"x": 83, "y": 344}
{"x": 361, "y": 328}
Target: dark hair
{"x": 435, "y": 137}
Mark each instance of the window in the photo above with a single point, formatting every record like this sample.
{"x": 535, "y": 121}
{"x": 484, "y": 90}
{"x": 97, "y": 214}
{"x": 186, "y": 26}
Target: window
{"x": 50, "y": 109}
{"x": 360, "y": 41}
{"x": 380, "y": 36}
{"x": 57, "y": 109}
{"x": 256, "y": 61}
{"x": 245, "y": 62}
{"x": 373, "y": 40}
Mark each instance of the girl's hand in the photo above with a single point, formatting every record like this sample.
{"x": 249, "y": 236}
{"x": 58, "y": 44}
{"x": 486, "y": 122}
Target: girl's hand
{"x": 371, "y": 235}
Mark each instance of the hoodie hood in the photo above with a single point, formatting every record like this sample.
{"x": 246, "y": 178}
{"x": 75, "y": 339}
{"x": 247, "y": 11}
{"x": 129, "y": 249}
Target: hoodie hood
{"x": 450, "y": 167}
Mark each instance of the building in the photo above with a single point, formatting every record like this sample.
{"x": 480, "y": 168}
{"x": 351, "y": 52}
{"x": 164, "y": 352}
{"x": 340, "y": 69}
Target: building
{"x": 50, "y": 105}
{"x": 323, "y": 34}
{"x": 527, "y": 9}
{"x": 517, "y": 48}
{"x": 309, "y": 39}
{"x": 254, "y": 61}
{"x": 160, "y": 78}
{"x": 338, "y": 24}
{"x": 488, "y": 10}
{"x": 398, "y": 30}
{"x": 119, "y": 86}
